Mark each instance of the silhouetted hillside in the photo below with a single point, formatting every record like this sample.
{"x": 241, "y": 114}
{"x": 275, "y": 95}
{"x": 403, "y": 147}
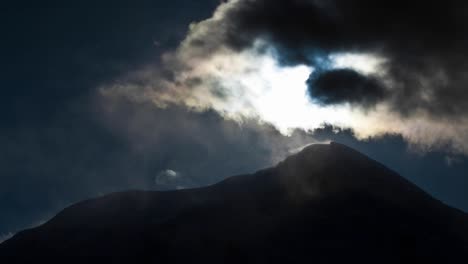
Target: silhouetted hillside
{"x": 326, "y": 204}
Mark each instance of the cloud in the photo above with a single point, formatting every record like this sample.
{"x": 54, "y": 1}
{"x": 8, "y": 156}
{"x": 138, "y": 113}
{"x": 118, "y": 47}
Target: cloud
{"x": 421, "y": 41}
{"x": 200, "y": 147}
{"x": 452, "y": 161}
{"x": 5, "y": 237}
{"x": 167, "y": 177}
{"x": 391, "y": 67}
{"x": 344, "y": 85}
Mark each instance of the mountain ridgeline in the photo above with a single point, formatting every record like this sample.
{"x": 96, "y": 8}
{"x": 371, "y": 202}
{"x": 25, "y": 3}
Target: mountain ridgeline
{"x": 325, "y": 204}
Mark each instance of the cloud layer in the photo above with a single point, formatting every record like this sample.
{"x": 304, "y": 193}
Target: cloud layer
{"x": 390, "y": 67}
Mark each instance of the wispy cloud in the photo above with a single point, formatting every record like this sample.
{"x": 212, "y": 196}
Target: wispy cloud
{"x": 5, "y": 237}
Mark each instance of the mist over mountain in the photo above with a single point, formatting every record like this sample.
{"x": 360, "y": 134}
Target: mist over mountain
{"x": 326, "y": 204}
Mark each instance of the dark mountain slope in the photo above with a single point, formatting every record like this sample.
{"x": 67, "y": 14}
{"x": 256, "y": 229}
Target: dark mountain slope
{"x": 326, "y": 204}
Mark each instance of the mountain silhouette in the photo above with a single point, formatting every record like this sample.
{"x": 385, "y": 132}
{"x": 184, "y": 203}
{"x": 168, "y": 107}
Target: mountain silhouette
{"x": 325, "y": 204}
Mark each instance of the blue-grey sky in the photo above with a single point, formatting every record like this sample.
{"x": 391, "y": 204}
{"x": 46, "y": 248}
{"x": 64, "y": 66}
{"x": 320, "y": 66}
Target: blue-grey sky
{"x": 63, "y": 139}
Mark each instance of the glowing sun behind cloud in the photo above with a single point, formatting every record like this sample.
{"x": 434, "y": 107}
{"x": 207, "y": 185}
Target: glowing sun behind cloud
{"x": 278, "y": 95}
{"x": 251, "y": 84}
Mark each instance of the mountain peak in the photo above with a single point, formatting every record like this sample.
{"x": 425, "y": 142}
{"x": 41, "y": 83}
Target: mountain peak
{"x": 327, "y": 169}
{"x": 332, "y": 151}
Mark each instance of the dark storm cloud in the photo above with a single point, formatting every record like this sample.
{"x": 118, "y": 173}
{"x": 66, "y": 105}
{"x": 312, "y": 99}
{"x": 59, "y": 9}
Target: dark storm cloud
{"x": 344, "y": 85}
{"x": 424, "y": 42}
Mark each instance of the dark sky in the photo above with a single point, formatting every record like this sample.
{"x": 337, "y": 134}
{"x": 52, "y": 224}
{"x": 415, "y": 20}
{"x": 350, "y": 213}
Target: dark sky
{"x": 62, "y": 142}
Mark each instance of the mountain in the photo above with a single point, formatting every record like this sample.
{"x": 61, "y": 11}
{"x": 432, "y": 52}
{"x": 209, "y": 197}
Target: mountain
{"x": 325, "y": 204}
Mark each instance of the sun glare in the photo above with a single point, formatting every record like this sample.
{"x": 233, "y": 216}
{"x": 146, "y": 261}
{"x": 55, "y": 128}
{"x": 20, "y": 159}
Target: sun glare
{"x": 279, "y": 96}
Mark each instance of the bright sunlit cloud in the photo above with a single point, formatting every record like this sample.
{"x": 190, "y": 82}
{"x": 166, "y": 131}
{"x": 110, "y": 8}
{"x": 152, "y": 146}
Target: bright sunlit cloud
{"x": 253, "y": 84}
{"x": 278, "y": 95}
{"x": 363, "y": 63}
